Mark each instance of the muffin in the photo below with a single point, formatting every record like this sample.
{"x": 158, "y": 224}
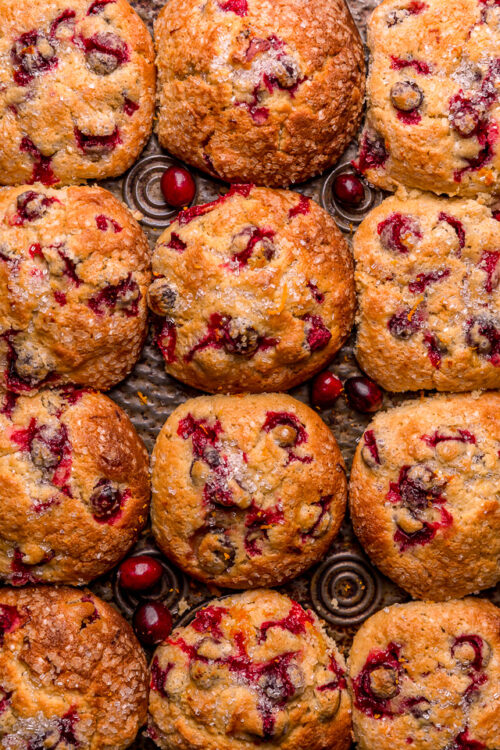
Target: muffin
{"x": 74, "y": 271}
{"x": 433, "y": 111}
{"x": 252, "y": 292}
{"x": 77, "y": 90}
{"x": 427, "y": 275}
{"x": 253, "y": 670}
{"x": 247, "y": 490}
{"x": 425, "y": 675}
{"x": 74, "y": 487}
{"x": 253, "y": 91}
{"x": 424, "y": 495}
{"x": 73, "y": 673}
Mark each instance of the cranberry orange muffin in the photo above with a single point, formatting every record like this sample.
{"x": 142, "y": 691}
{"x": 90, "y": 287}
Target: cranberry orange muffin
{"x": 247, "y": 490}
{"x": 253, "y": 91}
{"x": 74, "y": 486}
{"x": 253, "y": 670}
{"x": 424, "y": 494}
{"x": 77, "y": 90}
{"x": 433, "y": 109}
{"x": 253, "y": 292}
{"x": 425, "y": 676}
{"x": 74, "y": 271}
{"x": 72, "y": 672}
{"x": 427, "y": 274}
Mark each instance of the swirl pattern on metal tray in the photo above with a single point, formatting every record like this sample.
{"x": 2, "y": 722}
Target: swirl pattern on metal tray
{"x": 142, "y": 191}
{"x": 348, "y": 217}
{"x": 169, "y": 590}
{"x": 344, "y": 590}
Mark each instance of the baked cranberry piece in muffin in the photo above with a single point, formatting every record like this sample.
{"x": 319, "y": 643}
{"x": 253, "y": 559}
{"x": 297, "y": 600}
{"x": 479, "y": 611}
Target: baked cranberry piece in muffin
{"x": 250, "y": 670}
{"x": 247, "y": 490}
{"x": 252, "y": 91}
{"x": 74, "y": 271}
{"x": 252, "y": 292}
{"x": 425, "y": 675}
{"x": 433, "y": 110}
{"x": 74, "y": 489}
{"x": 72, "y": 672}
{"x": 77, "y": 93}
{"x": 423, "y": 494}
{"x": 427, "y": 275}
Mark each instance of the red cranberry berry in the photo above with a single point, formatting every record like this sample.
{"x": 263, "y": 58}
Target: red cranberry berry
{"x": 140, "y": 573}
{"x": 348, "y": 189}
{"x": 152, "y": 623}
{"x": 363, "y": 394}
{"x": 178, "y": 187}
{"x": 325, "y": 390}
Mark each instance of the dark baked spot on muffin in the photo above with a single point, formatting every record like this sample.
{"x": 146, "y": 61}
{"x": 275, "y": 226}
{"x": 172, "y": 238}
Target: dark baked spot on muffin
{"x": 32, "y": 55}
{"x": 124, "y": 296}
{"x": 320, "y": 516}
{"x": 379, "y": 682}
{"x": 464, "y": 741}
{"x": 318, "y": 296}
{"x": 159, "y": 677}
{"x": 398, "y": 15}
{"x": 483, "y": 335}
{"x": 9, "y": 404}
{"x": 215, "y": 551}
{"x": 176, "y": 243}
{"x": 42, "y": 170}
{"x": 107, "y": 500}
{"x": 166, "y": 338}
{"x": 399, "y": 233}
{"x": 129, "y": 106}
{"x": 104, "y": 223}
{"x": 457, "y": 225}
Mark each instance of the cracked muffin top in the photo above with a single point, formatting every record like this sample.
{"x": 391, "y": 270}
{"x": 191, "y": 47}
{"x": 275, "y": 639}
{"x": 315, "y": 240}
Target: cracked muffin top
{"x": 252, "y": 292}
{"x": 424, "y": 494}
{"x": 257, "y": 91}
{"x": 425, "y": 676}
{"x": 251, "y": 670}
{"x": 74, "y": 486}
{"x": 247, "y": 490}
{"x": 74, "y": 270}
{"x": 72, "y": 674}
{"x": 427, "y": 276}
{"x": 433, "y": 108}
{"x": 77, "y": 90}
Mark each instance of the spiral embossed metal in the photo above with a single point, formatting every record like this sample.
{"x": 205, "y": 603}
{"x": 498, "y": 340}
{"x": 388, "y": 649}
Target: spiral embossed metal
{"x": 171, "y": 588}
{"x": 142, "y": 191}
{"x": 348, "y": 217}
{"x": 344, "y": 590}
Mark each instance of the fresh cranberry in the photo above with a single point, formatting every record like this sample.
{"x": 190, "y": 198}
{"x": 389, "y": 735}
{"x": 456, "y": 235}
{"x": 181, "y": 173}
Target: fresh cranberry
{"x": 140, "y": 573}
{"x": 363, "y": 394}
{"x": 152, "y": 622}
{"x": 178, "y": 187}
{"x": 348, "y": 189}
{"x": 325, "y": 390}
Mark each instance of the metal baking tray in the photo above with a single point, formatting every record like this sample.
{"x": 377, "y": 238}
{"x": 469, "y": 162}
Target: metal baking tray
{"x": 345, "y": 588}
